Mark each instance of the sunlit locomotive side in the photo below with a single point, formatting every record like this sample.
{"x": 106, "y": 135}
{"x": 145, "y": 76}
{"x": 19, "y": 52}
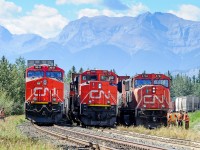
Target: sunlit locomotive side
{"x": 44, "y": 99}
{"x": 93, "y": 98}
{"x": 145, "y": 100}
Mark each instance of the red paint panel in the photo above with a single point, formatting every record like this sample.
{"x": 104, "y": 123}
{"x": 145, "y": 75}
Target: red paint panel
{"x": 44, "y": 89}
{"x": 36, "y": 90}
{"x": 153, "y": 100}
{"x": 97, "y": 92}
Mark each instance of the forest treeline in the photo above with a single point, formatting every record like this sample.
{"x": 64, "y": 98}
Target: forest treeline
{"x": 12, "y": 84}
{"x": 12, "y": 87}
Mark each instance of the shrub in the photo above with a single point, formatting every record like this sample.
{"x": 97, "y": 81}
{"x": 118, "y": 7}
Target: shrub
{"x": 6, "y": 102}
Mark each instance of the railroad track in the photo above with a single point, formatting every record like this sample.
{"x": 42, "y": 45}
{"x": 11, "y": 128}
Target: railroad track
{"x": 112, "y": 142}
{"x": 177, "y": 142}
{"x": 78, "y": 141}
{"x": 154, "y": 141}
{"x": 94, "y": 140}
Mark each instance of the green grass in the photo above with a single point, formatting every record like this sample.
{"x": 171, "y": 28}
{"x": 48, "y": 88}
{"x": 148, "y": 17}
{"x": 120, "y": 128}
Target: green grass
{"x": 172, "y": 132}
{"x": 194, "y": 119}
{"x": 12, "y": 139}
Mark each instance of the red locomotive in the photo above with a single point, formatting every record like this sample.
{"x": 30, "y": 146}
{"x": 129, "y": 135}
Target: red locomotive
{"x": 93, "y": 98}
{"x": 44, "y": 100}
{"x": 145, "y": 100}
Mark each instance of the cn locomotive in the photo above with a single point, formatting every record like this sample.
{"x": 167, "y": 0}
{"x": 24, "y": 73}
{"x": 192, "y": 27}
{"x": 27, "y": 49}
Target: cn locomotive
{"x": 93, "y": 98}
{"x": 144, "y": 100}
{"x": 44, "y": 98}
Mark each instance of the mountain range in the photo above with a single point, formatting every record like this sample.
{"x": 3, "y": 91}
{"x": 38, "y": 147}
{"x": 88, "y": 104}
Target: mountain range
{"x": 155, "y": 43}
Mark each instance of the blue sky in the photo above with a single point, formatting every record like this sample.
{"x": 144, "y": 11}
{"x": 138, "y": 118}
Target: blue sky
{"x": 48, "y": 17}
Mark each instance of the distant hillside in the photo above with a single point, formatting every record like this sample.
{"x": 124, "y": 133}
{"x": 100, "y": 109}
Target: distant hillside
{"x": 153, "y": 42}
{"x": 190, "y": 73}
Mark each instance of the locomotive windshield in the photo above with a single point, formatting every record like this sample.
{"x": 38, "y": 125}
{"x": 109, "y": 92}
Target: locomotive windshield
{"x": 161, "y": 82}
{"x": 54, "y": 74}
{"x": 141, "y": 82}
{"x": 89, "y": 77}
{"x": 33, "y": 74}
{"x": 107, "y": 78}
{"x": 104, "y": 78}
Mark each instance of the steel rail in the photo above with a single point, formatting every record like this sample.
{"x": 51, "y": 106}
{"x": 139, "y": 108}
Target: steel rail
{"x": 74, "y": 140}
{"x": 181, "y": 142}
{"x": 114, "y": 140}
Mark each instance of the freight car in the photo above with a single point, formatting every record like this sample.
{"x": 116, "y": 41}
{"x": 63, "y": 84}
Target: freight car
{"x": 93, "y": 98}
{"x": 44, "y": 98}
{"x": 187, "y": 103}
{"x": 172, "y": 106}
{"x": 145, "y": 100}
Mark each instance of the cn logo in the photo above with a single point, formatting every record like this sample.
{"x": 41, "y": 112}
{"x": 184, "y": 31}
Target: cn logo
{"x": 100, "y": 93}
{"x": 153, "y": 98}
{"x": 42, "y": 91}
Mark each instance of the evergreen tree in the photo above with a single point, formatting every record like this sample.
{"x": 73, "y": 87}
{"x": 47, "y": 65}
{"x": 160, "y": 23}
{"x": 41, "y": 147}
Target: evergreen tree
{"x": 81, "y": 70}
{"x": 198, "y": 77}
{"x": 196, "y": 90}
{"x": 73, "y": 70}
{"x": 69, "y": 76}
{"x": 12, "y": 85}
{"x": 19, "y": 90}
{"x": 193, "y": 79}
{"x": 5, "y": 76}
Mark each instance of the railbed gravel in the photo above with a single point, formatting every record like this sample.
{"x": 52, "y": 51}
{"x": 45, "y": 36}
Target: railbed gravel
{"x": 28, "y": 129}
{"x": 93, "y": 140}
{"x": 31, "y": 132}
{"x": 125, "y": 138}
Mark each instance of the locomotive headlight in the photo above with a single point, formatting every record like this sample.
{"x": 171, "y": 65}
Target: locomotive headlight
{"x": 154, "y": 90}
{"x": 99, "y": 86}
{"x": 108, "y": 102}
{"x": 54, "y": 99}
{"x": 163, "y": 106}
{"x": 38, "y": 83}
{"x": 35, "y": 99}
{"x": 89, "y": 101}
{"x": 45, "y": 82}
{"x": 144, "y": 106}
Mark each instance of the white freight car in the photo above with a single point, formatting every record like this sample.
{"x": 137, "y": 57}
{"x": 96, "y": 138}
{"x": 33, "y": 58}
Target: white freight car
{"x": 187, "y": 103}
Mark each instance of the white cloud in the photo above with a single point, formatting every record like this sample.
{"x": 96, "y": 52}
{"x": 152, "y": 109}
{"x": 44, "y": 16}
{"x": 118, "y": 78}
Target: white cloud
{"x": 7, "y": 9}
{"x": 137, "y": 9}
{"x": 189, "y": 12}
{"x": 95, "y": 12}
{"x": 133, "y": 11}
{"x": 88, "y": 12}
{"x": 42, "y": 20}
{"x": 76, "y": 2}
{"x": 47, "y": 21}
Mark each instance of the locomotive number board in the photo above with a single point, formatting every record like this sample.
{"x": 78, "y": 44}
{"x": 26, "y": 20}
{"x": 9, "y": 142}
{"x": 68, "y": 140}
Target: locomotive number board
{"x": 39, "y": 62}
